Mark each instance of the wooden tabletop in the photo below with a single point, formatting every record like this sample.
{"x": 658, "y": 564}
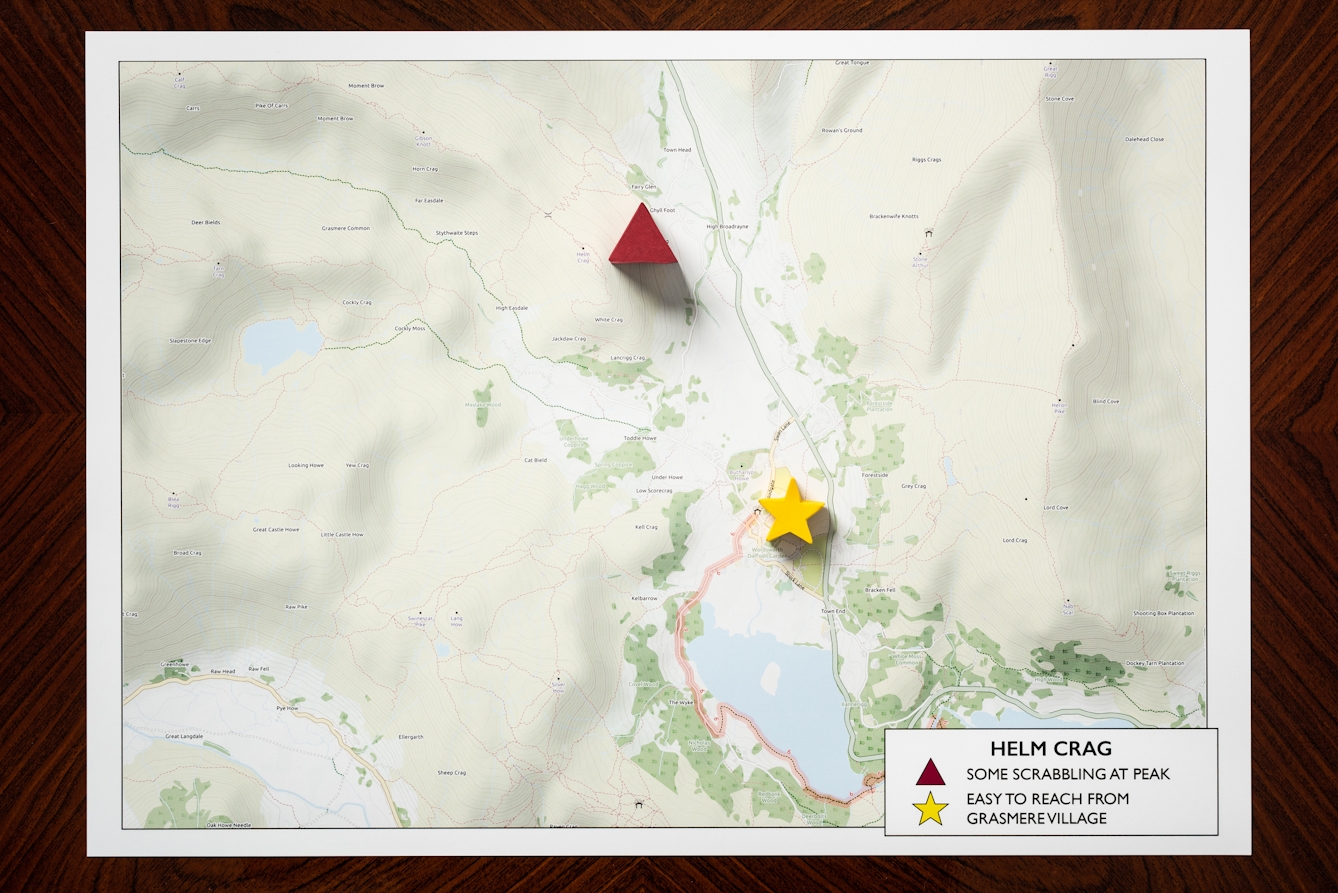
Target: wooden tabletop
{"x": 1294, "y": 354}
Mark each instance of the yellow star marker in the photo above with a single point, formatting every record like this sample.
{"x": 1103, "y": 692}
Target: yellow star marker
{"x": 929, "y": 809}
{"x": 791, "y": 514}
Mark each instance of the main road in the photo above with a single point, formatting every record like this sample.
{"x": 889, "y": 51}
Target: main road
{"x": 723, "y": 242}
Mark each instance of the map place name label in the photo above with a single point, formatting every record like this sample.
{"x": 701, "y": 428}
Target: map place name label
{"x": 894, "y": 216}
{"x": 334, "y": 118}
{"x": 1059, "y": 99}
{"x": 271, "y": 105}
{"x": 346, "y": 229}
{"x": 843, "y": 130}
{"x": 1105, "y": 401}
{"x": 206, "y": 223}
{"x": 1145, "y": 139}
{"x": 429, "y": 201}
{"x": 926, "y": 159}
{"x": 192, "y": 108}
{"x": 340, "y": 534}
{"x": 1160, "y": 613}
{"x": 368, "y": 86}
{"x": 1015, "y": 539}
{"x": 453, "y": 233}
{"x": 1054, "y": 507}
{"x": 187, "y": 553}
{"x": 190, "y": 340}
{"x": 423, "y": 169}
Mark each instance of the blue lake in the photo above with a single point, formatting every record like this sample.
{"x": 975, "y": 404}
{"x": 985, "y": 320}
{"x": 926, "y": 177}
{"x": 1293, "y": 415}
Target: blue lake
{"x": 1017, "y": 719}
{"x": 947, "y": 466}
{"x": 804, "y": 716}
{"x": 443, "y": 650}
{"x": 267, "y": 344}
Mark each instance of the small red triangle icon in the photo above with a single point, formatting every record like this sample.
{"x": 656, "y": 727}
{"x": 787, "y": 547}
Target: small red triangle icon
{"x": 930, "y": 775}
{"x": 642, "y": 243}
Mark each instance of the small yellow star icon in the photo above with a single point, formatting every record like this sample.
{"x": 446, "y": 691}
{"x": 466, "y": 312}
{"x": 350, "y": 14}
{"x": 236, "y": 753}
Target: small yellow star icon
{"x": 929, "y": 809}
{"x": 791, "y": 514}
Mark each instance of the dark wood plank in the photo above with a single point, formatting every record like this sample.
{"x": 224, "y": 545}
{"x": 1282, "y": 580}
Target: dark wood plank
{"x": 1294, "y": 353}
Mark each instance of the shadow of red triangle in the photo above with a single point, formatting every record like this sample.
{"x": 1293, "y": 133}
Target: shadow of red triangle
{"x": 930, "y": 774}
{"x": 642, "y": 242}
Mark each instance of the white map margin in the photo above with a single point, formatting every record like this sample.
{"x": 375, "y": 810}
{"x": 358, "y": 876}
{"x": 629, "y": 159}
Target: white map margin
{"x": 1228, "y": 314}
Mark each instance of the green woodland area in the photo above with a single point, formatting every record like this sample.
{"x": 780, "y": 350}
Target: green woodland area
{"x": 174, "y": 809}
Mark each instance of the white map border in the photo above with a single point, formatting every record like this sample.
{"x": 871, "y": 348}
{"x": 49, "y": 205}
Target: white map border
{"x": 1228, "y": 141}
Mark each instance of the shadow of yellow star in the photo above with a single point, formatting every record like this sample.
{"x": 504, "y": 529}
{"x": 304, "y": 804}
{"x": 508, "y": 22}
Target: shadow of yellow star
{"x": 791, "y": 514}
{"x": 929, "y": 809}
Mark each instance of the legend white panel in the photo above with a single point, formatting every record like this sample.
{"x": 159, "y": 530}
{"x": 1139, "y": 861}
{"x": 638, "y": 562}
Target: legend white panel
{"x": 1105, "y": 782}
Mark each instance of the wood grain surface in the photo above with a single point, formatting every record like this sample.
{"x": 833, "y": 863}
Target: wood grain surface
{"x": 1294, "y": 353}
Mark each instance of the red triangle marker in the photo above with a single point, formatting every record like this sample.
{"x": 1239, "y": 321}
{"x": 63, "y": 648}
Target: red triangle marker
{"x": 930, "y": 775}
{"x": 642, "y": 242}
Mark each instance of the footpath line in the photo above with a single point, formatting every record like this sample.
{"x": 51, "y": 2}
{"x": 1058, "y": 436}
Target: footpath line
{"x": 338, "y": 736}
{"x": 716, "y": 726}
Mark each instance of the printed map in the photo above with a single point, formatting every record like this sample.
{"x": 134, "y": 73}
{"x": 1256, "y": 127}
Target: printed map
{"x": 432, "y": 516}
